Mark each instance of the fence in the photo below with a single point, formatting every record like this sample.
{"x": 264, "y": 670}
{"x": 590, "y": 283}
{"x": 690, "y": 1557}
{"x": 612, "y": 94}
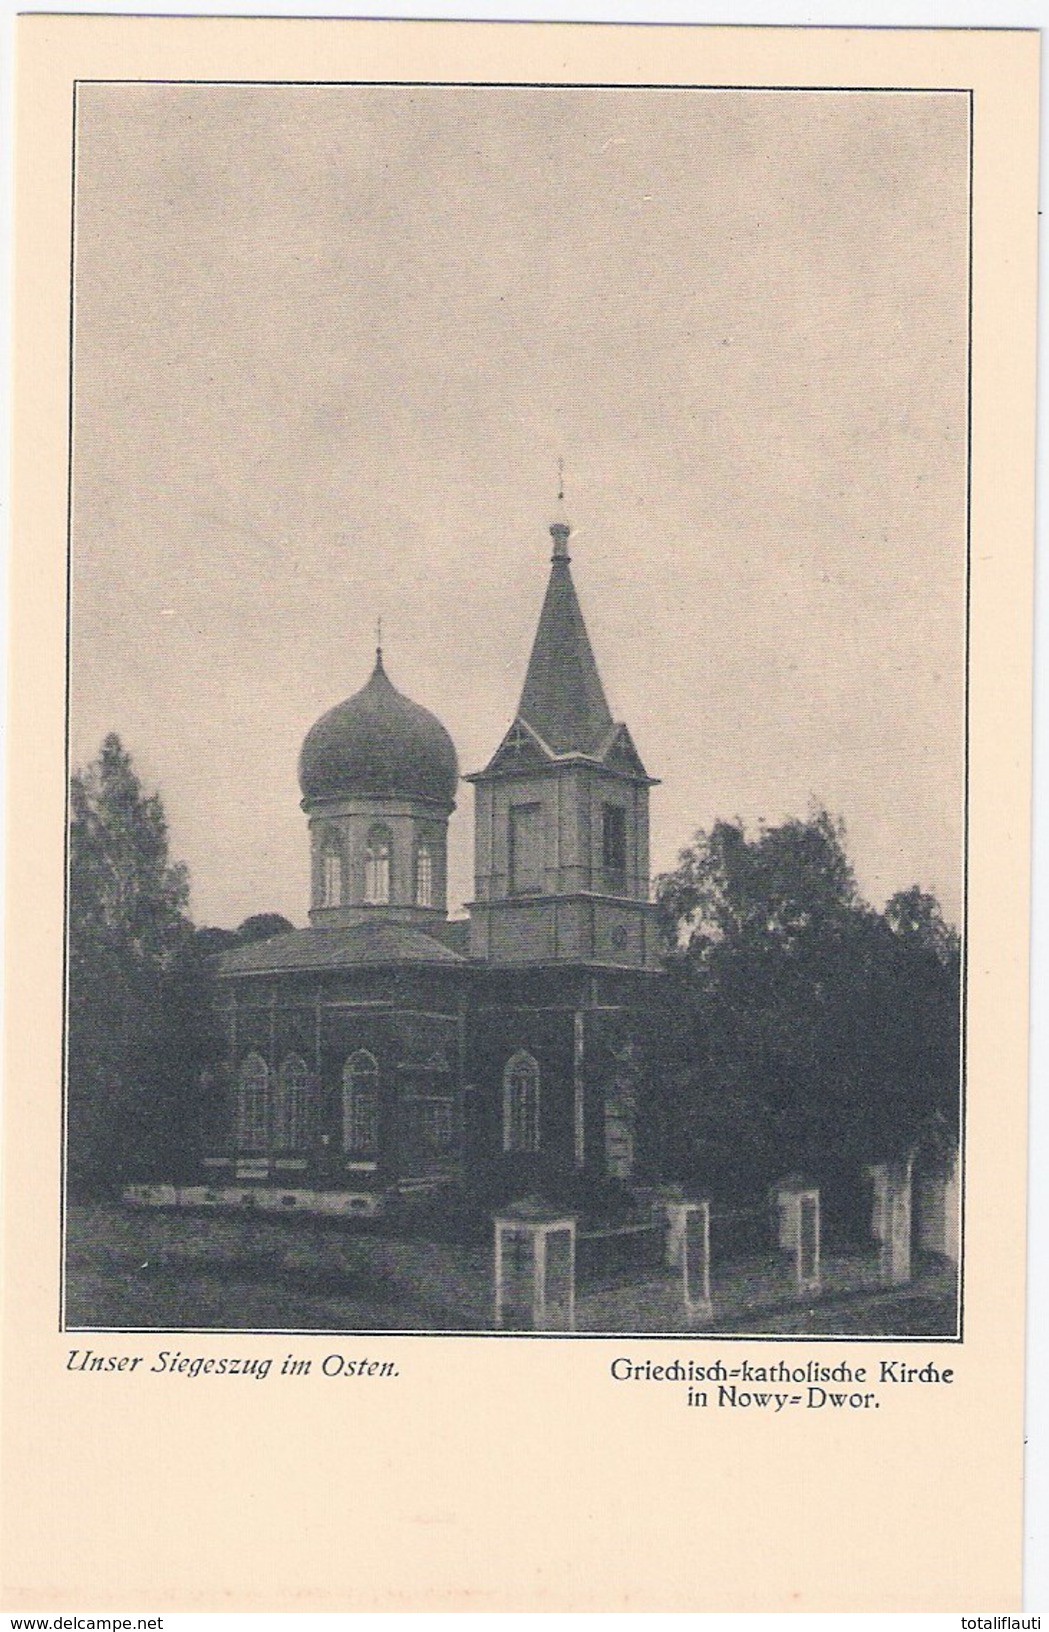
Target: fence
{"x": 620, "y": 1252}
{"x": 687, "y": 1260}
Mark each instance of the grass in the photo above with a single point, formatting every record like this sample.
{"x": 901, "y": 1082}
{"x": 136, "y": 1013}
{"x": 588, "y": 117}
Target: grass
{"x": 160, "y": 1270}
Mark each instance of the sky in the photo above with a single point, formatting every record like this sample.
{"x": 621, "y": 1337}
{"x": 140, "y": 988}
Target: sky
{"x": 329, "y": 345}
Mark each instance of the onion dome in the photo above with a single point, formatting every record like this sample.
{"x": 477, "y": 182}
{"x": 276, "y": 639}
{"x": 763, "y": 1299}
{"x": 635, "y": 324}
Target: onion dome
{"x": 379, "y": 743}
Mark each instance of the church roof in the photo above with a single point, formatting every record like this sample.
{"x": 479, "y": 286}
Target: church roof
{"x": 563, "y": 699}
{"x": 379, "y": 742}
{"x": 316, "y": 949}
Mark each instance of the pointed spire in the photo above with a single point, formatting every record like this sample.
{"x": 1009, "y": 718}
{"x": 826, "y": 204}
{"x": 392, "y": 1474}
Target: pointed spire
{"x": 563, "y": 699}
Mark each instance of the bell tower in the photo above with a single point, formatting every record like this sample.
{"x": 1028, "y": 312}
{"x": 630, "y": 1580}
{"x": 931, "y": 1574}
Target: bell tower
{"x": 561, "y": 812}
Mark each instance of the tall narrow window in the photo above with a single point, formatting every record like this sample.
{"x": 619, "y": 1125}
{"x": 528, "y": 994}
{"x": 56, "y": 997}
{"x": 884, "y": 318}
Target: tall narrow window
{"x": 360, "y": 1104}
{"x": 331, "y": 870}
{"x": 377, "y": 867}
{"x": 521, "y": 1103}
{"x": 526, "y": 849}
{"x": 613, "y": 843}
{"x": 424, "y": 876}
{"x": 293, "y": 1086}
{"x": 252, "y": 1108}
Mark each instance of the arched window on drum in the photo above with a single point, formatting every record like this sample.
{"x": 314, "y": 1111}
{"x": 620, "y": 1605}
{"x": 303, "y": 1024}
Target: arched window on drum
{"x": 293, "y": 1088}
{"x": 377, "y": 867}
{"x": 423, "y": 876}
{"x": 360, "y": 1104}
{"x": 252, "y": 1105}
{"x": 331, "y": 869}
{"x": 521, "y": 1103}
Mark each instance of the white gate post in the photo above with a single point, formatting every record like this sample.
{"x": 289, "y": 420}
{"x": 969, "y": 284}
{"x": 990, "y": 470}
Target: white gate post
{"x": 896, "y": 1256}
{"x": 534, "y": 1269}
{"x": 690, "y": 1232}
{"x": 788, "y": 1217}
{"x": 891, "y": 1223}
{"x": 807, "y": 1248}
{"x": 676, "y": 1214}
{"x": 799, "y": 1232}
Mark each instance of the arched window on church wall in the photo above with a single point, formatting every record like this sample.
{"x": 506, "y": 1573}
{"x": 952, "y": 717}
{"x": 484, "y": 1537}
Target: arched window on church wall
{"x": 331, "y": 869}
{"x": 252, "y": 1106}
{"x": 521, "y": 1103}
{"x": 360, "y": 1104}
{"x": 377, "y": 867}
{"x": 424, "y": 876}
{"x": 293, "y": 1086}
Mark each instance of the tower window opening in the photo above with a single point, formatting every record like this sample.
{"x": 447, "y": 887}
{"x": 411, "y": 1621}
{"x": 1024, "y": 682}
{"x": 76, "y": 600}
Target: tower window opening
{"x": 377, "y": 868}
{"x": 526, "y": 849}
{"x": 613, "y": 841}
{"x": 521, "y": 1103}
{"x": 252, "y": 1105}
{"x": 424, "y": 876}
{"x": 360, "y": 1104}
{"x": 331, "y": 871}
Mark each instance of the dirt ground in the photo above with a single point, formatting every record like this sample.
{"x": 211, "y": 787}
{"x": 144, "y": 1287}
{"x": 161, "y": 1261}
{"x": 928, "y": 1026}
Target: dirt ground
{"x": 164, "y": 1270}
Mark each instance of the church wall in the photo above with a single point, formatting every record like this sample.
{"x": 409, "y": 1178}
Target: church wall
{"x": 572, "y": 801}
{"x": 592, "y": 1033}
{"x": 522, "y": 934}
{"x": 410, "y": 1021}
{"x": 447, "y": 1036}
{"x": 559, "y": 930}
{"x": 619, "y": 934}
{"x": 574, "y": 832}
{"x": 484, "y": 863}
{"x": 494, "y": 1035}
{"x": 643, "y": 853}
{"x": 621, "y": 1088}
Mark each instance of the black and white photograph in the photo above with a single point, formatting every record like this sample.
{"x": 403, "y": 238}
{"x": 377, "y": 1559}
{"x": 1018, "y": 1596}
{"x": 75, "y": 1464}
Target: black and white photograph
{"x": 518, "y": 658}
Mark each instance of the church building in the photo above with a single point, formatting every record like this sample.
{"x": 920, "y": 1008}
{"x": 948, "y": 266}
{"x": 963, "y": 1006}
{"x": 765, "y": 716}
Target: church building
{"x": 387, "y": 1047}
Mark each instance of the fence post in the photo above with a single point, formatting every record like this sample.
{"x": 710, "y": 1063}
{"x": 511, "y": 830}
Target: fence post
{"x": 660, "y": 1200}
{"x": 807, "y": 1250}
{"x": 891, "y": 1224}
{"x": 799, "y": 1232}
{"x": 676, "y": 1215}
{"x": 688, "y": 1246}
{"x": 534, "y": 1269}
{"x": 785, "y": 1196}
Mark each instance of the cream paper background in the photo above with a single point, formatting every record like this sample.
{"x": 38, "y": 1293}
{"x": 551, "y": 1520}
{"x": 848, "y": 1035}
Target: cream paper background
{"x": 515, "y": 1474}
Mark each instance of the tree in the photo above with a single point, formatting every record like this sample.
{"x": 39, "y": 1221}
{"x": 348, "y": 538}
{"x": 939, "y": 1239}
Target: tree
{"x": 821, "y": 1034}
{"x": 915, "y": 919}
{"x": 788, "y": 882}
{"x": 128, "y": 932}
{"x": 262, "y": 926}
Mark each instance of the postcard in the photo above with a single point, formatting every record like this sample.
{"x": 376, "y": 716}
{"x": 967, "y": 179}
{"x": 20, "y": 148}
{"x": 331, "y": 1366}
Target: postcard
{"x": 519, "y": 776}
